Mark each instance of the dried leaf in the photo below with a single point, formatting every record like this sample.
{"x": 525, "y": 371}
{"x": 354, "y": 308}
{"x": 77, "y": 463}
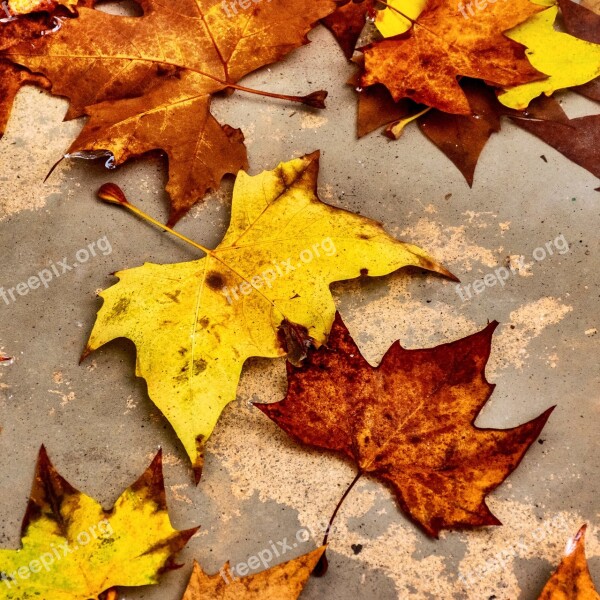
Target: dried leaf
{"x": 577, "y": 139}
{"x": 572, "y": 579}
{"x": 11, "y": 76}
{"x": 281, "y": 582}
{"x": 567, "y": 60}
{"x": 424, "y": 63}
{"x": 194, "y": 324}
{"x": 409, "y": 422}
{"x": 347, "y": 22}
{"x": 147, "y": 82}
{"x": 584, "y": 24}
{"x": 462, "y": 138}
{"x": 74, "y": 550}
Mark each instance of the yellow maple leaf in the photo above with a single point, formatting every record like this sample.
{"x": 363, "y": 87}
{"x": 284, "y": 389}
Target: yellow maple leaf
{"x": 24, "y": 7}
{"x": 567, "y": 60}
{"x": 72, "y": 549}
{"x": 265, "y": 288}
{"x": 393, "y": 20}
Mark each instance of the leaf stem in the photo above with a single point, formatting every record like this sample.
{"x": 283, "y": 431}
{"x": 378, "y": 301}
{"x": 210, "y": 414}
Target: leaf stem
{"x": 323, "y": 563}
{"x": 113, "y": 194}
{"x": 339, "y": 505}
{"x": 315, "y": 100}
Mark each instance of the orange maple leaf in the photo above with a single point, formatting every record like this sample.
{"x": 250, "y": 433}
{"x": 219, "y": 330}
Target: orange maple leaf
{"x": 572, "y": 578}
{"x": 442, "y": 45}
{"x": 147, "y": 82}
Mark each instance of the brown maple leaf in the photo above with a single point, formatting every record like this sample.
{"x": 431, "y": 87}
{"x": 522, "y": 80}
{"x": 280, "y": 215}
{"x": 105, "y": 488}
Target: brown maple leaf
{"x": 348, "y": 21}
{"x": 147, "y": 82}
{"x": 281, "y": 582}
{"x": 572, "y": 579}
{"x": 577, "y": 139}
{"x": 409, "y": 422}
{"x": 462, "y": 137}
{"x": 583, "y": 24}
{"x": 424, "y": 63}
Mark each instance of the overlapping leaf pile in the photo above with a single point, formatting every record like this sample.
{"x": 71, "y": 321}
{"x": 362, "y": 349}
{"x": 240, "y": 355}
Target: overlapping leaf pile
{"x": 456, "y": 71}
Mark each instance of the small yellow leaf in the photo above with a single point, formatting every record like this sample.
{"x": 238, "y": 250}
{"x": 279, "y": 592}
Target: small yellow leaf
{"x": 74, "y": 550}
{"x": 392, "y": 21}
{"x": 567, "y": 60}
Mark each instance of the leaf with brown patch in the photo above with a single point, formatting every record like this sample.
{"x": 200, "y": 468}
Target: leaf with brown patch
{"x": 572, "y": 579}
{"x": 147, "y": 82}
{"x": 409, "y": 422}
{"x": 129, "y": 545}
{"x": 281, "y": 582}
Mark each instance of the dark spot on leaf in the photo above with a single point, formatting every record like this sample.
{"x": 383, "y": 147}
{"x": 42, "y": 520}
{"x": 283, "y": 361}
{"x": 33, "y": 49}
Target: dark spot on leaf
{"x": 120, "y": 308}
{"x": 215, "y": 281}
{"x": 173, "y": 296}
{"x": 199, "y": 366}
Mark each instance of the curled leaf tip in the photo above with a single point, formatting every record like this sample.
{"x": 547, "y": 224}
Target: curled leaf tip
{"x": 112, "y": 193}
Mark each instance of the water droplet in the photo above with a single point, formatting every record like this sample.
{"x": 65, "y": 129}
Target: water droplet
{"x": 95, "y": 155}
{"x": 358, "y": 89}
{"x": 57, "y": 23}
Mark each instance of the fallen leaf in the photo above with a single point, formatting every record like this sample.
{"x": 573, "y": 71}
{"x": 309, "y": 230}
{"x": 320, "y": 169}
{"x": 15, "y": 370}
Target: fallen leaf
{"x": 462, "y": 137}
{"x": 347, "y": 22}
{"x": 263, "y": 290}
{"x": 572, "y": 579}
{"x": 12, "y": 77}
{"x": 147, "y": 82}
{"x": 409, "y": 422}
{"x": 377, "y": 108}
{"x": 74, "y": 550}
{"x": 424, "y": 63}
{"x": 398, "y": 16}
{"x": 584, "y": 24}
{"x": 567, "y": 60}
{"x": 577, "y": 139}
{"x": 281, "y": 582}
